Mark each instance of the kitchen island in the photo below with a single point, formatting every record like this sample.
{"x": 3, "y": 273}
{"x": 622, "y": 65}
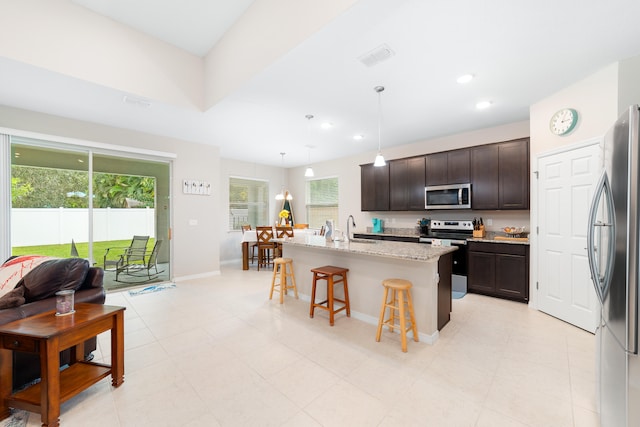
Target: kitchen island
{"x": 371, "y": 261}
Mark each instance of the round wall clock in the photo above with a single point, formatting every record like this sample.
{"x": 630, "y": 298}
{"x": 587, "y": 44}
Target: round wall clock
{"x": 563, "y": 121}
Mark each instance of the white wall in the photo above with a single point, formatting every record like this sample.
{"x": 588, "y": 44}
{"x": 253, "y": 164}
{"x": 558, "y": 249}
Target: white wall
{"x": 195, "y": 248}
{"x": 595, "y": 98}
{"x": 629, "y": 83}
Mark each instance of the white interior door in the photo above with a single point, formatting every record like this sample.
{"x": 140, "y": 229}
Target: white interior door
{"x": 566, "y": 184}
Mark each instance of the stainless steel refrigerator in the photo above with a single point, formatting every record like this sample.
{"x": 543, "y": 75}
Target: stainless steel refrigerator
{"x": 613, "y": 238}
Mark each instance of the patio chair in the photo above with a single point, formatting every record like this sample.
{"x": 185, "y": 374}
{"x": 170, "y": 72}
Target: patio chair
{"x": 141, "y": 270}
{"x": 132, "y": 254}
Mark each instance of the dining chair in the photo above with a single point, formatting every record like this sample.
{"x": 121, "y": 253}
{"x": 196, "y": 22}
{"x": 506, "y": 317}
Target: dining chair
{"x": 281, "y": 233}
{"x": 300, "y": 226}
{"x": 265, "y": 245}
{"x": 252, "y": 246}
{"x": 284, "y": 231}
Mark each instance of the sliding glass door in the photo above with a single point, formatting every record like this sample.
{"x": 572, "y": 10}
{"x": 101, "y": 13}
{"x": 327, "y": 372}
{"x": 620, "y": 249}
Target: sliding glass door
{"x": 49, "y": 200}
{"x": 131, "y": 198}
{"x": 72, "y": 201}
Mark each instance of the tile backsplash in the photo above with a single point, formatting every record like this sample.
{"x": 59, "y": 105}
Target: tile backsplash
{"x": 406, "y": 222}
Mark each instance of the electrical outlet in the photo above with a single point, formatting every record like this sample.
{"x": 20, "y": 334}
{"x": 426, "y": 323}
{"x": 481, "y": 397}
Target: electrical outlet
{"x": 489, "y": 221}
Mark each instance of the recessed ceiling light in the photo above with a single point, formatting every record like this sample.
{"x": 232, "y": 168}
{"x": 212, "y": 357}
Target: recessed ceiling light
{"x": 465, "y": 78}
{"x": 358, "y": 137}
{"x": 483, "y": 104}
{"x": 326, "y": 125}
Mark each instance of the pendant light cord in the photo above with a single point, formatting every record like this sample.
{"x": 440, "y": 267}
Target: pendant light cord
{"x": 379, "y": 161}
{"x": 379, "y": 89}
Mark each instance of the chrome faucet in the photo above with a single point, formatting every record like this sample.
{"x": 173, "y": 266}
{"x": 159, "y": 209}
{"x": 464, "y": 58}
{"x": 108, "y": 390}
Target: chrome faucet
{"x": 353, "y": 222}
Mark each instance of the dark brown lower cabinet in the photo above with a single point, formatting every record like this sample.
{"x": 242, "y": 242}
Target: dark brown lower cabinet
{"x": 444, "y": 290}
{"x": 499, "y": 270}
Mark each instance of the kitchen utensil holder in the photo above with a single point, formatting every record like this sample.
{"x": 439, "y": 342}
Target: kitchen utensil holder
{"x": 479, "y": 232}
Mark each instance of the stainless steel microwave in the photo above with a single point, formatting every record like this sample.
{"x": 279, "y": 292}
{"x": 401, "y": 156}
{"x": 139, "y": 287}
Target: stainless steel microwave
{"x": 453, "y": 196}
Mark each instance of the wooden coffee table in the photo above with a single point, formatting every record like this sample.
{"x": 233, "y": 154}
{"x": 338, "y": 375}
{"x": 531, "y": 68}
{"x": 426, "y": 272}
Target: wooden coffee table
{"x": 47, "y": 335}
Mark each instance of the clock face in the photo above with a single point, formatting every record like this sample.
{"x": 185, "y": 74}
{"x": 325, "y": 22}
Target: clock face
{"x": 563, "y": 121}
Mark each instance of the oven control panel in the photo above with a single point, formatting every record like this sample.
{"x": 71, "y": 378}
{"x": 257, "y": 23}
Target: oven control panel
{"x": 454, "y": 225}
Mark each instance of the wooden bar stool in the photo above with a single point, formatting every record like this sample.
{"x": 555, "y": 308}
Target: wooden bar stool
{"x": 400, "y": 296}
{"x": 328, "y": 273}
{"x": 280, "y": 272}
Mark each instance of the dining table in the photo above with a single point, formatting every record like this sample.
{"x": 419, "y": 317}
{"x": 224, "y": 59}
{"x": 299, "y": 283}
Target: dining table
{"x": 248, "y": 237}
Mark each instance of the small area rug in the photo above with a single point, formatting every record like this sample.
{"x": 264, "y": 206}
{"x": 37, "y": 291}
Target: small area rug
{"x": 152, "y": 288}
{"x": 18, "y": 418}
{"x": 457, "y": 294}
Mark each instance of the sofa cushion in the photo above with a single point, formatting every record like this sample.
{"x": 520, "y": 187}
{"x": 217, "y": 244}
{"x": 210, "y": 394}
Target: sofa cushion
{"x": 15, "y": 268}
{"x": 52, "y": 276}
{"x": 14, "y": 298}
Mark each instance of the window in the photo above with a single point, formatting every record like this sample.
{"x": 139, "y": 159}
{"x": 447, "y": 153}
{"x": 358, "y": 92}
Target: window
{"x": 322, "y": 201}
{"x": 248, "y": 202}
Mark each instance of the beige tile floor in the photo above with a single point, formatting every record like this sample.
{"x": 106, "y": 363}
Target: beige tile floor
{"x": 217, "y": 352}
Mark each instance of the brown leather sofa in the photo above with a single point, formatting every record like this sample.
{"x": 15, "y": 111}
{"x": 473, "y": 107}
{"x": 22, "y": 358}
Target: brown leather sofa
{"x": 46, "y": 280}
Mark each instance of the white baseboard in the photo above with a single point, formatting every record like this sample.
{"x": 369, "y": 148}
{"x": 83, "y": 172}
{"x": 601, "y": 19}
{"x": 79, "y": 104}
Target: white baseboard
{"x": 426, "y": 338}
{"x": 197, "y": 276}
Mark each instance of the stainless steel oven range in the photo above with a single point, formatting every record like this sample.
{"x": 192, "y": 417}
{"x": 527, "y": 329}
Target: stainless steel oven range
{"x": 457, "y": 232}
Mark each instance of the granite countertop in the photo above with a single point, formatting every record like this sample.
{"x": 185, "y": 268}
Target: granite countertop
{"x": 389, "y": 234}
{"x": 384, "y": 248}
{"x": 490, "y": 236}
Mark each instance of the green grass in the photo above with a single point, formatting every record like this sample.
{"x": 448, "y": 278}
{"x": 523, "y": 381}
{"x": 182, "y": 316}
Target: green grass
{"x": 64, "y": 251}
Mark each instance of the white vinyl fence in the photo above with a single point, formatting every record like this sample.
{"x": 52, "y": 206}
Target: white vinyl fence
{"x": 31, "y": 227}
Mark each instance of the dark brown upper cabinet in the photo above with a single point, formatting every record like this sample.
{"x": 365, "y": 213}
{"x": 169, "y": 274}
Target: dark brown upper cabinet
{"x": 406, "y": 184}
{"x": 514, "y": 174}
{"x": 500, "y": 175}
{"x": 449, "y": 167}
{"x": 485, "y": 177}
{"x": 374, "y": 187}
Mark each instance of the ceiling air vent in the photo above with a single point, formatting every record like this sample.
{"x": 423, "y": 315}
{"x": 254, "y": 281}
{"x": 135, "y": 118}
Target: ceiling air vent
{"x": 377, "y": 55}
{"x": 139, "y": 102}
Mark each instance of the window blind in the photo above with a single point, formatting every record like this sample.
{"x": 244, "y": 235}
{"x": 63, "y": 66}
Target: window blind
{"x": 321, "y": 201}
{"x": 248, "y": 202}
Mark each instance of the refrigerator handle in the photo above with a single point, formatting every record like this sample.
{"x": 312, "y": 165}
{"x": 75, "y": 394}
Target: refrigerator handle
{"x": 601, "y": 281}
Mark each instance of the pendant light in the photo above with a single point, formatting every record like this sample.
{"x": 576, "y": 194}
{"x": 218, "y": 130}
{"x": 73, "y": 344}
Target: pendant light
{"x": 308, "y": 173}
{"x": 284, "y": 194}
{"x": 379, "y": 159}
